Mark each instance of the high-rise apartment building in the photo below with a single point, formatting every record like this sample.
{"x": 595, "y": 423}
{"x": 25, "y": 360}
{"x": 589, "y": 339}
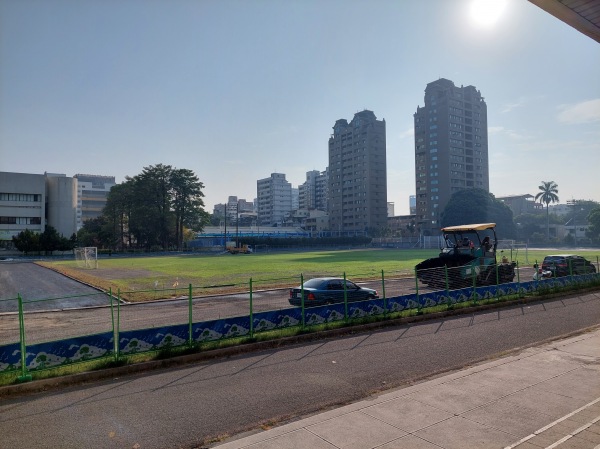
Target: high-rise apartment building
{"x": 357, "y": 174}
{"x": 274, "y": 197}
{"x": 451, "y": 149}
{"x": 313, "y": 193}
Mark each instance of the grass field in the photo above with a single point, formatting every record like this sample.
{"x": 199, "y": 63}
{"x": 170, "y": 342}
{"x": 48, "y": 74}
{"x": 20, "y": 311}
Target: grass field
{"x": 232, "y": 272}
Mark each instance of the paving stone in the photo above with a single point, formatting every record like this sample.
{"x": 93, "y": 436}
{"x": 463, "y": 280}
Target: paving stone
{"x": 356, "y": 431}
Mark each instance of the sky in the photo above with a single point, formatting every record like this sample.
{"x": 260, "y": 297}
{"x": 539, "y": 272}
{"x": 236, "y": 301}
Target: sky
{"x": 238, "y": 89}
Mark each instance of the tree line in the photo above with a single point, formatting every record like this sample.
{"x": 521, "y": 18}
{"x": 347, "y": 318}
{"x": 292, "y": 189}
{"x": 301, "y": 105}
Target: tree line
{"x": 155, "y": 210}
{"x": 480, "y": 206}
{"x": 162, "y": 208}
{"x": 48, "y": 241}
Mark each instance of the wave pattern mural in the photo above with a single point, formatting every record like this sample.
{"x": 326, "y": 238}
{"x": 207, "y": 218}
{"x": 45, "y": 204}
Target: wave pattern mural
{"x": 56, "y": 353}
{"x": 90, "y": 347}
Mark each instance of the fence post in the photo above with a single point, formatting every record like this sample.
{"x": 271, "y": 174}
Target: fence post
{"x": 190, "y": 317}
{"x": 519, "y": 280}
{"x": 118, "y": 323}
{"x": 474, "y": 286}
{"x": 417, "y": 288}
{"x": 251, "y": 312}
{"x": 447, "y": 287}
{"x": 112, "y": 319}
{"x": 24, "y": 377}
{"x": 497, "y": 283}
{"x": 570, "y": 269}
{"x": 383, "y": 292}
{"x": 302, "y": 299}
{"x": 345, "y": 299}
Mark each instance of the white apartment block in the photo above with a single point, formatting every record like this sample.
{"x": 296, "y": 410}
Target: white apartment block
{"x": 274, "y": 197}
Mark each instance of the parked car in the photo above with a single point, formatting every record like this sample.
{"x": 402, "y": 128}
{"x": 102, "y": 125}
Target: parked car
{"x": 567, "y": 264}
{"x": 319, "y": 291}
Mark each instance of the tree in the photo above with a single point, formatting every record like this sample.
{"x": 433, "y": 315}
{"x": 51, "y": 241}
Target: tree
{"x": 51, "y": 240}
{"x": 530, "y": 224}
{"x": 153, "y": 217}
{"x": 150, "y": 210}
{"x": 478, "y": 206}
{"x": 593, "y": 218}
{"x": 95, "y": 232}
{"x": 187, "y": 202}
{"x": 547, "y": 194}
{"x": 27, "y": 241}
{"x": 118, "y": 212}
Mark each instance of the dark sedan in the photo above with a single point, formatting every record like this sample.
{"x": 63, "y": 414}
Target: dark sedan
{"x": 319, "y": 291}
{"x": 567, "y": 264}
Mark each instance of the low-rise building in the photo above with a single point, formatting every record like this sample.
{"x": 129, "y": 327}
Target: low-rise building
{"x": 521, "y": 204}
{"x": 34, "y": 201}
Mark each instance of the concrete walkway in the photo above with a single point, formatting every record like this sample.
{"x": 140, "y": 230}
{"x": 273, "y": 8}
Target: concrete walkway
{"x": 544, "y": 397}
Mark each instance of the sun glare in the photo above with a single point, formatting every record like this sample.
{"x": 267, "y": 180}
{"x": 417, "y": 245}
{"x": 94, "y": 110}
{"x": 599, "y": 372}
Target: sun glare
{"x": 486, "y": 12}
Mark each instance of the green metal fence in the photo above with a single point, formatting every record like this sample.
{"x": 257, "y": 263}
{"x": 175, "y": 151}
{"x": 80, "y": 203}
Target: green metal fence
{"x": 190, "y": 305}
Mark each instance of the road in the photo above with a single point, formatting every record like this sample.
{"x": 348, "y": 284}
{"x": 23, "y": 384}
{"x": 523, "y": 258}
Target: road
{"x": 182, "y": 407}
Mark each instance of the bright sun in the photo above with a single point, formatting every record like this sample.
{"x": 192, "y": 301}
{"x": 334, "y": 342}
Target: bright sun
{"x": 486, "y": 12}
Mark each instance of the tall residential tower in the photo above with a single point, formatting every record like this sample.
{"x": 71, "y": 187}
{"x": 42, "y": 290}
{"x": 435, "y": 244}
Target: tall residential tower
{"x": 451, "y": 149}
{"x": 357, "y": 174}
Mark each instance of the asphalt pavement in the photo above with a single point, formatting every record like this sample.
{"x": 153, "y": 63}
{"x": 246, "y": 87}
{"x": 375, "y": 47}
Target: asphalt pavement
{"x": 43, "y": 289}
{"x": 544, "y": 397}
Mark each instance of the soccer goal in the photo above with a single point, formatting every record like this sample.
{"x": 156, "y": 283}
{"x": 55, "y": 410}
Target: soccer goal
{"x": 87, "y": 257}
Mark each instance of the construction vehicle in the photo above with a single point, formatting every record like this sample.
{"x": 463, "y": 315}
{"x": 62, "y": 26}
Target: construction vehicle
{"x": 242, "y": 249}
{"x": 468, "y": 258}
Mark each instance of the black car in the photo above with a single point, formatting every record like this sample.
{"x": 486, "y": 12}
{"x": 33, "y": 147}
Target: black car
{"x": 319, "y": 291}
{"x": 567, "y": 264}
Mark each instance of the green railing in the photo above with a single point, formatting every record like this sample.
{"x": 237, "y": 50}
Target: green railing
{"x": 189, "y": 305}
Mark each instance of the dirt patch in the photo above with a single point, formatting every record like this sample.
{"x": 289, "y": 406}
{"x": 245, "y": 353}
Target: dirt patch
{"x": 112, "y": 273}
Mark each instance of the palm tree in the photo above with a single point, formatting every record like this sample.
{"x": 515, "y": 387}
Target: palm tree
{"x": 548, "y": 194}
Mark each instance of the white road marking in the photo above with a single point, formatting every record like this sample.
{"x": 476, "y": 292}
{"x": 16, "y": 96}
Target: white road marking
{"x": 552, "y": 424}
{"x": 575, "y": 432}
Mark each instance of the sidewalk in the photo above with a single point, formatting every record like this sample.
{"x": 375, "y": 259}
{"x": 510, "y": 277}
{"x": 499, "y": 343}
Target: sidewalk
{"x": 544, "y": 397}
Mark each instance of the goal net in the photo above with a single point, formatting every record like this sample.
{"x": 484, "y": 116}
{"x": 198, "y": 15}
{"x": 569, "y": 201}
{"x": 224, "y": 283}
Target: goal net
{"x": 87, "y": 257}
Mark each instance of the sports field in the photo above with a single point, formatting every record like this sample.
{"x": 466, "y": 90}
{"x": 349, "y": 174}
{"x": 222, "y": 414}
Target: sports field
{"x": 226, "y": 272}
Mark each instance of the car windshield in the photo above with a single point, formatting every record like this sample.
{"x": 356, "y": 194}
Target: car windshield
{"x": 554, "y": 259}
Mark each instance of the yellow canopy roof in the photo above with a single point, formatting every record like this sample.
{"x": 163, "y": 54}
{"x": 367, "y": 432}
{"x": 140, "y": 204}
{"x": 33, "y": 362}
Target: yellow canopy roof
{"x": 469, "y": 227}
